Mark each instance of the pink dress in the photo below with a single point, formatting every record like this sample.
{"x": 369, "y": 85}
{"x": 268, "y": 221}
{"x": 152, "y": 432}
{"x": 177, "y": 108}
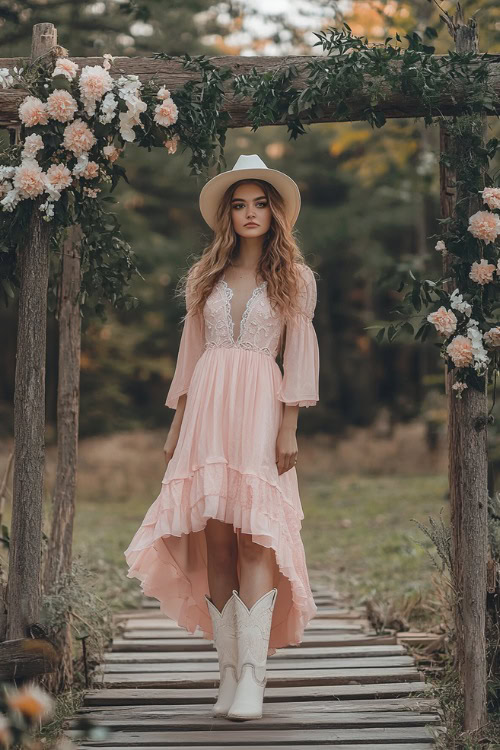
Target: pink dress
{"x": 224, "y": 463}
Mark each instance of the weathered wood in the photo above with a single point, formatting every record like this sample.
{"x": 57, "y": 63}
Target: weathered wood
{"x": 468, "y": 465}
{"x": 372, "y": 746}
{"x": 59, "y": 548}
{"x": 22, "y": 658}
{"x": 23, "y": 592}
{"x": 171, "y": 73}
{"x": 148, "y": 720}
{"x": 272, "y": 665}
{"x": 419, "y": 705}
{"x": 285, "y": 678}
{"x": 301, "y": 737}
{"x": 332, "y": 628}
{"x": 148, "y": 657}
{"x": 166, "y": 696}
{"x": 197, "y": 643}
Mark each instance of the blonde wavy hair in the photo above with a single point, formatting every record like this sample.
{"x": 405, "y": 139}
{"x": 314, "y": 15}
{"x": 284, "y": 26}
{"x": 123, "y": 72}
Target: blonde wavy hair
{"x": 278, "y": 264}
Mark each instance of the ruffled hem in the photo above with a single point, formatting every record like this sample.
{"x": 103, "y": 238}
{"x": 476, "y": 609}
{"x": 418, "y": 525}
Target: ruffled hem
{"x": 168, "y": 554}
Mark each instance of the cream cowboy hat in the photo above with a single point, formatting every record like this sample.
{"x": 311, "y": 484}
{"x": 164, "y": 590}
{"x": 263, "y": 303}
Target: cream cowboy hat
{"x": 248, "y": 166}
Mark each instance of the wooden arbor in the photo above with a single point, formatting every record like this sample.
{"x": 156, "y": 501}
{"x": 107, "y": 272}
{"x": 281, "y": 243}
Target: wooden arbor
{"x": 467, "y": 417}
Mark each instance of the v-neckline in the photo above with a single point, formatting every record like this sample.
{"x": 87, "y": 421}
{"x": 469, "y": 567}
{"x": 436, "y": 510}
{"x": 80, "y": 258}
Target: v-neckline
{"x": 245, "y": 311}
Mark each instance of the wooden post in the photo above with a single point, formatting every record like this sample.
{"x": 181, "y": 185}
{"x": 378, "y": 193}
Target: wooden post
{"x": 467, "y": 469}
{"x": 23, "y": 589}
{"x": 59, "y": 550}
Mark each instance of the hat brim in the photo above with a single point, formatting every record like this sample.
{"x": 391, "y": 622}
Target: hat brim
{"x": 211, "y": 193}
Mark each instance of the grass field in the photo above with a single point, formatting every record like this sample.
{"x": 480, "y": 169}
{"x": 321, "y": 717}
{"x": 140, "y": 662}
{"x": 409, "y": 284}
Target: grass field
{"x": 359, "y": 497}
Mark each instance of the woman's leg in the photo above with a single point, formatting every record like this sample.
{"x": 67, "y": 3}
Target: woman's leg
{"x": 257, "y": 565}
{"x": 222, "y": 555}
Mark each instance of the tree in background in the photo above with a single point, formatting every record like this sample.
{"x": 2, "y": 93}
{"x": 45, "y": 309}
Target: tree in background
{"x": 370, "y": 198}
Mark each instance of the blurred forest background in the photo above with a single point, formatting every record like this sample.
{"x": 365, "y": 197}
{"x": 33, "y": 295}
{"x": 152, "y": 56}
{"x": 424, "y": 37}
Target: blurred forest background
{"x": 370, "y": 209}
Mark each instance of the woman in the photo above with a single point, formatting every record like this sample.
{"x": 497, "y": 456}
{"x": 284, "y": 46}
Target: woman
{"x": 220, "y": 547}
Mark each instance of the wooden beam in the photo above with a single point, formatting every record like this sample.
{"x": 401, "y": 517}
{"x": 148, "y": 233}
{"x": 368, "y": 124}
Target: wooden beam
{"x": 171, "y": 74}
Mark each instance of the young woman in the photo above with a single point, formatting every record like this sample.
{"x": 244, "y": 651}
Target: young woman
{"x": 220, "y": 547}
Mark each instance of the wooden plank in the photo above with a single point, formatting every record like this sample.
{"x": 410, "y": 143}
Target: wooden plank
{"x": 245, "y": 735}
{"x": 419, "y": 704}
{"x": 371, "y": 746}
{"x": 150, "y": 720}
{"x": 334, "y": 693}
{"x": 328, "y": 626}
{"x": 282, "y": 678}
{"x": 147, "y": 624}
{"x": 272, "y": 665}
{"x": 339, "y": 652}
{"x": 323, "y": 613}
{"x": 197, "y": 643}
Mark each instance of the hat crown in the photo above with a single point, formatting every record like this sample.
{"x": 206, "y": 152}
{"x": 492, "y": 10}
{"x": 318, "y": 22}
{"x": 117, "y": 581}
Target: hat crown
{"x": 249, "y": 161}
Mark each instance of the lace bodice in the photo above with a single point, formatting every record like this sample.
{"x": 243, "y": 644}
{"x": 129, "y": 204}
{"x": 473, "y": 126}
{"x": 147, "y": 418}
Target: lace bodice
{"x": 260, "y": 326}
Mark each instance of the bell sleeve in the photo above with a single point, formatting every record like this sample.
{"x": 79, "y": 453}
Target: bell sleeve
{"x": 190, "y": 350}
{"x": 300, "y": 382}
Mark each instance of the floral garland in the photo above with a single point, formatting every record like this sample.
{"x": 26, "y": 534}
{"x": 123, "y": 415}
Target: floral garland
{"x": 469, "y": 343}
{"x": 76, "y": 128}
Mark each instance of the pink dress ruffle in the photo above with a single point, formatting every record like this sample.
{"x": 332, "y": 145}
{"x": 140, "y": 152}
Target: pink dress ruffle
{"x": 224, "y": 463}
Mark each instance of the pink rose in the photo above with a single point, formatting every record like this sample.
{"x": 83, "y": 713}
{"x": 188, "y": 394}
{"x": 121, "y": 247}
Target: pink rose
{"x": 482, "y": 273}
{"x": 492, "y": 337}
{"x": 460, "y": 351}
{"x": 32, "y": 111}
{"x": 444, "y": 320}
{"x": 61, "y": 106}
{"x": 484, "y": 225}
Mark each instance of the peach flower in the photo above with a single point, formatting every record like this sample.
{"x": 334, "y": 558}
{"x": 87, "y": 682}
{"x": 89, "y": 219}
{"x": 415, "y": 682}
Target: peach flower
{"x": 163, "y": 93}
{"x": 91, "y": 171}
{"x": 482, "y": 273}
{"x": 94, "y": 83}
{"x": 460, "y": 351}
{"x": 61, "y": 105}
{"x": 78, "y": 137}
{"x": 92, "y": 192}
{"x": 111, "y": 153}
{"x": 108, "y": 60}
{"x": 459, "y": 387}
{"x": 444, "y": 320}
{"x": 29, "y": 179}
{"x": 484, "y": 225}
{"x": 59, "y": 176}
{"x": 65, "y": 67}
{"x": 166, "y": 113}
{"x": 492, "y": 337}
{"x": 31, "y": 701}
{"x": 32, "y": 145}
{"x": 171, "y": 144}
{"x": 32, "y": 111}
{"x": 491, "y": 196}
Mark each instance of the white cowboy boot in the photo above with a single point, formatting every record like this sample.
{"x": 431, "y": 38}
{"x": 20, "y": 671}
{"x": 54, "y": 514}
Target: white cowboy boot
{"x": 253, "y": 628}
{"x": 224, "y": 625}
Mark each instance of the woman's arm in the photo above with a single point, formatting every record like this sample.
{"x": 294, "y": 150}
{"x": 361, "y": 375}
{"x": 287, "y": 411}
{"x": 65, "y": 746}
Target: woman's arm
{"x": 286, "y": 443}
{"x": 175, "y": 428}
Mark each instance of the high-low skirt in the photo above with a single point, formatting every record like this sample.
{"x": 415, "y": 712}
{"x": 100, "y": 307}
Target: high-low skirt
{"x": 224, "y": 467}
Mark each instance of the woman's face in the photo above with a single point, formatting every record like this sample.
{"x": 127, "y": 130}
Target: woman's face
{"x": 250, "y": 210}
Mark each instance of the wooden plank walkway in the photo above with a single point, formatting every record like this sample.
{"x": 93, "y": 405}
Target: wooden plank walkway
{"x": 344, "y": 687}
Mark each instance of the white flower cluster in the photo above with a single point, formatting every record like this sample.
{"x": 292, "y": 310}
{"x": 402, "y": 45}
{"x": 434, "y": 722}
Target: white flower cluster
{"x": 99, "y": 97}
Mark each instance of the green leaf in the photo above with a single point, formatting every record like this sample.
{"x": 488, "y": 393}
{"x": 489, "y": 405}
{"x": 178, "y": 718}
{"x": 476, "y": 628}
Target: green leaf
{"x": 8, "y": 288}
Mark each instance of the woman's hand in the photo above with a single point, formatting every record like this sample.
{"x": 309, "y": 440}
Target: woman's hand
{"x": 286, "y": 448}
